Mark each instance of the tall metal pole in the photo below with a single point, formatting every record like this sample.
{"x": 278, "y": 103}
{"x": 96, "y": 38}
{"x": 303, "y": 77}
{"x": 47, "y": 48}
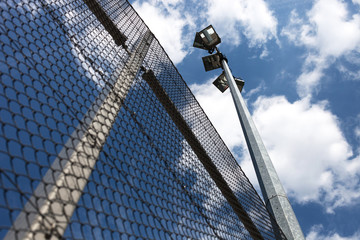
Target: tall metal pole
{"x": 273, "y": 192}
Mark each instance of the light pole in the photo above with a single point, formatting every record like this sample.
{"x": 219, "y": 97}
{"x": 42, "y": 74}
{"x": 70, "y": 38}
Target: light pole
{"x": 273, "y": 192}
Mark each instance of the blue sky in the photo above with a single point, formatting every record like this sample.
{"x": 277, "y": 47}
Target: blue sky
{"x": 301, "y": 64}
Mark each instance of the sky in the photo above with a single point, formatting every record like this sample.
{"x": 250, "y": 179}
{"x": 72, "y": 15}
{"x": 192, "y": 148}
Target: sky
{"x": 301, "y": 64}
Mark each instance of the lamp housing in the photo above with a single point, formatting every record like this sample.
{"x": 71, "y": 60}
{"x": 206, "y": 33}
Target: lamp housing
{"x": 222, "y": 84}
{"x": 212, "y": 62}
{"x": 207, "y": 39}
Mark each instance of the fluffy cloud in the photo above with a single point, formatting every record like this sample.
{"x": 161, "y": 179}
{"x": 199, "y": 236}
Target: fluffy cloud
{"x": 167, "y": 21}
{"x": 220, "y": 109}
{"x": 309, "y": 151}
{"x": 315, "y": 234}
{"x": 252, "y": 17}
{"x": 304, "y": 140}
{"x": 357, "y": 132}
{"x": 329, "y": 32}
{"x": 171, "y": 22}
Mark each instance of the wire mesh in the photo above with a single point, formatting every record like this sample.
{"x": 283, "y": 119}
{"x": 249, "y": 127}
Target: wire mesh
{"x": 87, "y": 148}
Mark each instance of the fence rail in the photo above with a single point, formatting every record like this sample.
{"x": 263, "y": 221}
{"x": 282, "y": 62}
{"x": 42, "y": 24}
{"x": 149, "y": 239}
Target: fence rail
{"x": 93, "y": 147}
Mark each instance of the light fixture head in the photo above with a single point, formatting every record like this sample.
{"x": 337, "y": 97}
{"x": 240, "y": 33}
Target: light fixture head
{"x": 207, "y": 39}
{"x": 222, "y": 84}
{"x": 239, "y": 83}
{"x": 212, "y": 62}
{"x": 198, "y": 42}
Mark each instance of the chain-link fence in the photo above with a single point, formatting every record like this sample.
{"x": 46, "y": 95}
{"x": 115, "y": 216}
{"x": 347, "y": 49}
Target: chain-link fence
{"x": 101, "y": 137}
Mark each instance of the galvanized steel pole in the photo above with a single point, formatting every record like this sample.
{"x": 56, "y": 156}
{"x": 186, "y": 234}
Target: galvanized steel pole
{"x": 273, "y": 192}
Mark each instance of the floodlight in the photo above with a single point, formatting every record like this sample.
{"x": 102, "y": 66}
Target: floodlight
{"x": 198, "y": 42}
{"x": 239, "y": 83}
{"x": 207, "y": 38}
{"x": 222, "y": 84}
{"x": 212, "y": 62}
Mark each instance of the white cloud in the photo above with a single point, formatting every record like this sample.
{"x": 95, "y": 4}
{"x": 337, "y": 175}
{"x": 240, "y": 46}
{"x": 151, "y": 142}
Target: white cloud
{"x": 220, "y": 109}
{"x": 170, "y": 2}
{"x": 167, "y": 21}
{"x": 315, "y": 234}
{"x": 312, "y": 157}
{"x": 252, "y": 17}
{"x": 357, "y": 132}
{"x": 264, "y": 53}
{"x": 309, "y": 151}
{"x": 356, "y": 1}
{"x": 256, "y": 90}
{"x": 329, "y": 32}
{"x": 349, "y": 74}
